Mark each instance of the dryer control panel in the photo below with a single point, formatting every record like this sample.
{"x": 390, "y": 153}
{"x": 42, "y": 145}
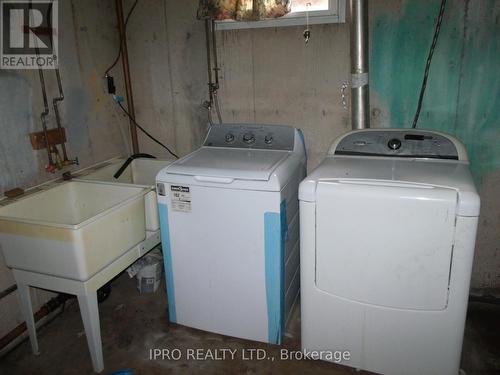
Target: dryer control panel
{"x": 398, "y": 143}
{"x": 254, "y": 136}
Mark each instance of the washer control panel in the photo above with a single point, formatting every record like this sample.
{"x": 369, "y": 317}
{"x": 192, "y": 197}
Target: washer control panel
{"x": 404, "y": 143}
{"x": 256, "y": 136}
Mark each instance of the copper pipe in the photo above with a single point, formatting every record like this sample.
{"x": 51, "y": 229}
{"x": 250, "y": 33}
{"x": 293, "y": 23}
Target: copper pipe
{"x": 44, "y": 114}
{"x": 49, "y": 307}
{"x": 214, "y": 48}
{"x": 126, "y": 75}
{"x": 55, "y": 101}
{"x": 9, "y": 290}
{"x": 209, "y": 61}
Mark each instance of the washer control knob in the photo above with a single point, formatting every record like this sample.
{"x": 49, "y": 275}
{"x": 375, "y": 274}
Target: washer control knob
{"x": 229, "y": 138}
{"x": 268, "y": 139}
{"x": 394, "y": 144}
{"x": 248, "y": 138}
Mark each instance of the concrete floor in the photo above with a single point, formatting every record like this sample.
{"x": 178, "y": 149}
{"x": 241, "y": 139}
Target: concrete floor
{"x": 132, "y": 324}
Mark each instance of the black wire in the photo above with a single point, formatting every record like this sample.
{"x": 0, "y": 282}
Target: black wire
{"x": 145, "y": 131}
{"x": 428, "y": 63}
{"x": 121, "y": 39}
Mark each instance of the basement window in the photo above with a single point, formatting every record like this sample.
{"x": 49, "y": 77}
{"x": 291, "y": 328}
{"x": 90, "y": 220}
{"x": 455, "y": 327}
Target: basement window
{"x": 320, "y": 11}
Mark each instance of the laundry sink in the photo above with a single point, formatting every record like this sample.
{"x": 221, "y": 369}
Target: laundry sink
{"x": 140, "y": 172}
{"x": 72, "y": 230}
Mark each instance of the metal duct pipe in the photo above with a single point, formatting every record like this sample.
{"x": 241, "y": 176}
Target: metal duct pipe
{"x": 360, "y": 97}
{"x": 126, "y": 75}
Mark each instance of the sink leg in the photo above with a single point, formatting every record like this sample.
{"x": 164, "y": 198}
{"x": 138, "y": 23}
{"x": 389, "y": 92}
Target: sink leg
{"x": 90, "y": 317}
{"x": 23, "y": 291}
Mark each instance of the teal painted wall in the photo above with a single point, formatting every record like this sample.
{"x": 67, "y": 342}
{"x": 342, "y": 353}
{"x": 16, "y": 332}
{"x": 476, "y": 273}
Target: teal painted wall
{"x": 462, "y": 97}
{"x": 478, "y": 112}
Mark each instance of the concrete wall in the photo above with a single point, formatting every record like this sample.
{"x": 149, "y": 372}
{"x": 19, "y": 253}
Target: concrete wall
{"x": 94, "y": 127}
{"x": 167, "y": 62}
{"x": 271, "y": 76}
{"x": 268, "y": 75}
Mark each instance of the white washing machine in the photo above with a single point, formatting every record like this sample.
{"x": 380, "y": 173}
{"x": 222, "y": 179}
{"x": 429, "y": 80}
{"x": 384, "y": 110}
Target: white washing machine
{"x": 388, "y": 224}
{"x": 230, "y": 231}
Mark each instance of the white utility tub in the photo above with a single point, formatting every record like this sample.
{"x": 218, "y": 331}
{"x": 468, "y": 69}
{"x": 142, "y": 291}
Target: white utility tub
{"x": 140, "y": 172}
{"x": 73, "y": 230}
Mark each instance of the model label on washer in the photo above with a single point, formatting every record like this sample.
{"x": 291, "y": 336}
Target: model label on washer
{"x": 181, "y": 198}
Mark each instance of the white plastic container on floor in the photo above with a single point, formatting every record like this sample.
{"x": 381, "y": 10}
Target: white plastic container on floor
{"x": 149, "y": 276}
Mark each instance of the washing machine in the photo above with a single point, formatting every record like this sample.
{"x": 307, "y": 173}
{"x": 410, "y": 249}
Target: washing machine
{"x": 388, "y": 224}
{"x": 230, "y": 231}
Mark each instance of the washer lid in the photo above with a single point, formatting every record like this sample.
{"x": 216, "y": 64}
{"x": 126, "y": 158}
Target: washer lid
{"x": 241, "y": 164}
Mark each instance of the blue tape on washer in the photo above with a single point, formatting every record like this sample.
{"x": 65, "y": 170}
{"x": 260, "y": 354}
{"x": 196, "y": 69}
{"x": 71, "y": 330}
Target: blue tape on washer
{"x": 167, "y": 260}
{"x": 284, "y": 238}
{"x": 275, "y": 232}
{"x": 301, "y": 135}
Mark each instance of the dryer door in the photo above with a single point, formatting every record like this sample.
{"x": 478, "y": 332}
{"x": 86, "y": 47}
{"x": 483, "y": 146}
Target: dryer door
{"x": 385, "y": 243}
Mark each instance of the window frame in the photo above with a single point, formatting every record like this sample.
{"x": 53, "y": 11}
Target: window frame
{"x": 335, "y": 14}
